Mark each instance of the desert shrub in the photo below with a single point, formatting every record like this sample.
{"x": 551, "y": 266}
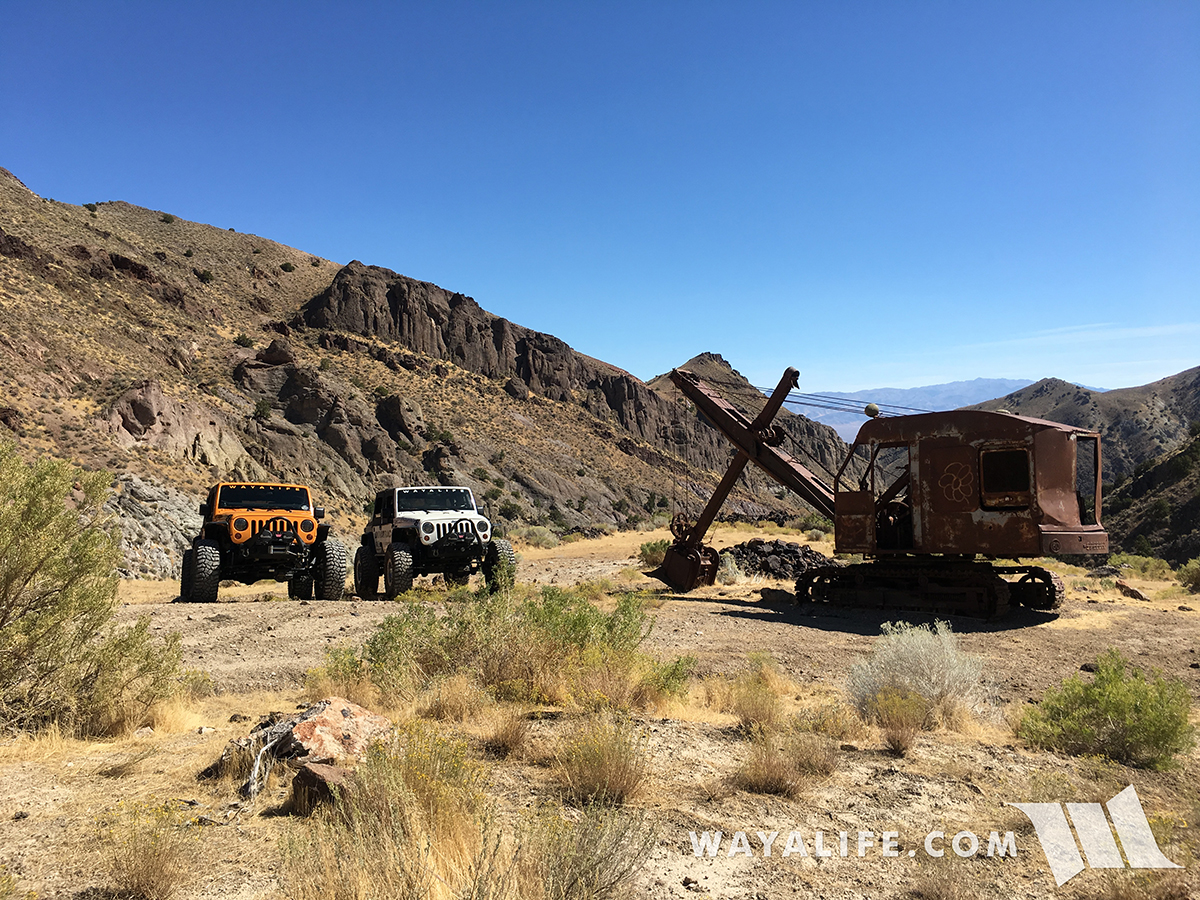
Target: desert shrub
{"x": 922, "y": 660}
{"x": 262, "y": 409}
{"x": 785, "y": 764}
{"x": 244, "y": 340}
{"x": 652, "y": 553}
{"x": 594, "y": 858}
{"x": 604, "y": 760}
{"x": 901, "y": 713}
{"x": 90, "y": 207}
{"x": 287, "y": 267}
{"x": 508, "y": 736}
{"x": 550, "y": 646}
{"x": 205, "y": 276}
{"x": 534, "y": 535}
{"x": 149, "y": 849}
{"x": 510, "y": 510}
{"x": 1189, "y": 575}
{"x": 189, "y": 253}
{"x": 1122, "y": 713}
{"x": 167, "y": 219}
{"x": 314, "y": 262}
{"x": 1143, "y": 566}
{"x": 62, "y": 660}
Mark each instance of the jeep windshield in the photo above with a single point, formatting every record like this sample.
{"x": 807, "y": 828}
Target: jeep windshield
{"x": 434, "y": 499}
{"x": 263, "y": 496}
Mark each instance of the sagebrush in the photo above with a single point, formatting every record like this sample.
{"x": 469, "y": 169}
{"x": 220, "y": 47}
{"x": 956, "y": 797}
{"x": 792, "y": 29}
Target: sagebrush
{"x": 923, "y": 660}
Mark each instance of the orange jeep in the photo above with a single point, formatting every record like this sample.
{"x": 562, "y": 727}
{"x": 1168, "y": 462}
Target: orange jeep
{"x": 256, "y": 531}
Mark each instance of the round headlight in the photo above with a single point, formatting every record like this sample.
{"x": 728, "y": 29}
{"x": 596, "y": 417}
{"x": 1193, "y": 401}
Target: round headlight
{"x": 240, "y": 524}
{"x": 481, "y": 526}
{"x": 427, "y": 527}
{"x": 306, "y": 526}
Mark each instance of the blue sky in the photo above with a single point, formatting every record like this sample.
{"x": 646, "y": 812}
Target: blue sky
{"x": 881, "y": 194}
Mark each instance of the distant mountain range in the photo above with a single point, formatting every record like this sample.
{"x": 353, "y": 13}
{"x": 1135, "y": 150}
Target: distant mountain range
{"x": 931, "y": 398}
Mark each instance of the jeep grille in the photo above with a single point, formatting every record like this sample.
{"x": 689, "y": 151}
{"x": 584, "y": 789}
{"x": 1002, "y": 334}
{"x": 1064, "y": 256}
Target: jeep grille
{"x": 278, "y": 524}
{"x": 461, "y": 526}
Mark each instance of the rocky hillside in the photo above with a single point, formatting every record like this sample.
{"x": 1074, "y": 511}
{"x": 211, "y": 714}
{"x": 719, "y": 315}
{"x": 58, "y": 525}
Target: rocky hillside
{"x": 1135, "y": 424}
{"x": 1157, "y": 510}
{"x": 174, "y": 353}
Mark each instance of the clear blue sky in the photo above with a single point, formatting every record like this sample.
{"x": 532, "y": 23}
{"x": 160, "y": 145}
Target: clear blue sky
{"x": 880, "y": 193}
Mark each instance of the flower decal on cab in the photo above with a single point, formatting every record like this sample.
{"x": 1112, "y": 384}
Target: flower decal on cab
{"x": 957, "y": 482}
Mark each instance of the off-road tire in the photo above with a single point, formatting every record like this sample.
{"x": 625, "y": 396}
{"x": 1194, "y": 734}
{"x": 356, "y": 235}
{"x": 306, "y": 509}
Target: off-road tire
{"x": 497, "y": 559}
{"x": 366, "y": 573}
{"x": 207, "y": 567}
{"x": 398, "y": 572}
{"x": 187, "y": 576}
{"x": 300, "y": 587}
{"x": 329, "y": 573}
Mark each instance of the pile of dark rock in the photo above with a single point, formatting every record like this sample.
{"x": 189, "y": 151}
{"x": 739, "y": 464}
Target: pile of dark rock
{"x": 776, "y": 559}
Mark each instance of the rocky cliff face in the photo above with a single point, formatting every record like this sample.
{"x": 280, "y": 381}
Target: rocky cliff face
{"x": 421, "y": 317}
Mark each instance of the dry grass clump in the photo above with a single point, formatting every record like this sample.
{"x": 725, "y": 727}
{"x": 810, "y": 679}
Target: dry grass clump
{"x": 785, "y": 764}
{"x": 508, "y": 736}
{"x": 901, "y": 714}
{"x": 605, "y": 760}
{"x": 149, "y": 849}
{"x": 415, "y": 819}
{"x": 455, "y": 699}
{"x": 755, "y": 695}
{"x": 1141, "y": 886}
{"x": 943, "y": 883}
{"x": 834, "y": 719}
{"x": 344, "y": 674}
{"x": 595, "y": 858}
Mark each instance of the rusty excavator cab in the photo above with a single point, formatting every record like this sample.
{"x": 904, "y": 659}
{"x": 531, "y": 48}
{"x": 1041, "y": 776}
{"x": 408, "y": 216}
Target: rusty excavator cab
{"x": 943, "y": 494}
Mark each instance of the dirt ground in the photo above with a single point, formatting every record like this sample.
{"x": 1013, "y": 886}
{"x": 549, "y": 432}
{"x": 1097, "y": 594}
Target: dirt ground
{"x": 257, "y": 646}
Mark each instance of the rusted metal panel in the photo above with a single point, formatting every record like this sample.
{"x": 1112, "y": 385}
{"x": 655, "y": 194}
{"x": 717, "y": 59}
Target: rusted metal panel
{"x": 855, "y": 518}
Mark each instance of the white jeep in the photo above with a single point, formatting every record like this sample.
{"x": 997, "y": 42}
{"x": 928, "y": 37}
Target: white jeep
{"x": 422, "y": 530}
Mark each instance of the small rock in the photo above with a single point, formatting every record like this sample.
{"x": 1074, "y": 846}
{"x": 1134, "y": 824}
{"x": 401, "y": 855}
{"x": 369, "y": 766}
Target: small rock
{"x": 315, "y": 784}
{"x": 20, "y": 814}
{"x": 849, "y": 748}
{"x": 205, "y": 729}
{"x": 1130, "y": 591}
{"x": 1088, "y": 667}
{"x": 1194, "y": 666}
{"x": 143, "y": 732}
{"x": 239, "y": 717}
{"x": 1186, "y": 609}
{"x": 1104, "y": 572}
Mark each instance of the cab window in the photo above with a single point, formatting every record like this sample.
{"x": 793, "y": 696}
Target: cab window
{"x": 1004, "y": 478}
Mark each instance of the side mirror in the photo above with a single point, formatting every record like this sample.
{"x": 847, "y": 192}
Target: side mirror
{"x": 319, "y": 512}
{"x": 204, "y": 510}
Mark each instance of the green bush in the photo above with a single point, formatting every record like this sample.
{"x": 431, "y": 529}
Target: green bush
{"x": 287, "y": 267}
{"x": 1143, "y": 566}
{"x": 189, "y": 253}
{"x": 90, "y": 207}
{"x": 1122, "y": 713}
{"x": 244, "y": 340}
{"x": 167, "y": 219}
{"x": 652, "y": 553}
{"x": 1189, "y": 575}
{"x": 534, "y": 535}
{"x": 262, "y": 409}
{"x": 62, "y": 660}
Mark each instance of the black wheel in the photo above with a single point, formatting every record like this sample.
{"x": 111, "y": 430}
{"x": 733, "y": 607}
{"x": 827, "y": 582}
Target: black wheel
{"x": 301, "y": 587}
{"x": 329, "y": 579}
{"x": 398, "y": 571}
{"x": 499, "y": 565}
{"x": 366, "y": 573}
{"x": 207, "y": 566}
{"x": 458, "y": 577}
{"x": 187, "y": 576}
